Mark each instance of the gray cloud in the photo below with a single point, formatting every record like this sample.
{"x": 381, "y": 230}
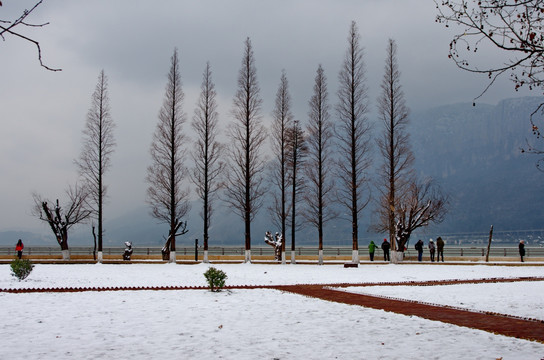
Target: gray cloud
{"x": 43, "y": 113}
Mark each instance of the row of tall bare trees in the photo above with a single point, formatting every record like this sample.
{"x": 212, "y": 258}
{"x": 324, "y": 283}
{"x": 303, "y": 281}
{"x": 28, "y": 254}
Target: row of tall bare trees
{"x": 313, "y": 169}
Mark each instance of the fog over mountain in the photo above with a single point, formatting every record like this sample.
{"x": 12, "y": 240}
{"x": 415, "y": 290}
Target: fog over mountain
{"x": 474, "y": 152}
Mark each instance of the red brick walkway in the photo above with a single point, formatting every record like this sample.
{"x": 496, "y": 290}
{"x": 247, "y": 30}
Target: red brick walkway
{"x": 529, "y": 329}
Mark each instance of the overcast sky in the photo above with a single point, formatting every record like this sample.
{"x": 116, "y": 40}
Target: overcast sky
{"x": 43, "y": 113}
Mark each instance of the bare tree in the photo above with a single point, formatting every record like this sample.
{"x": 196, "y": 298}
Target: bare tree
{"x": 281, "y": 123}
{"x": 318, "y": 167}
{"x": 353, "y": 132}
{"x": 514, "y": 29}
{"x": 62, "y": 218}
{"x": 244, "y": 181}
{"x": 296, "y": 154}
{"x": 207, "y": 152}
{"x": 95, "y": 158}
{"x": 8, "y": 27}
{"x": 395, "y": 173}
{"x": 424, "y": 203}
{"x": 168, "y": 200}
{"x": 511, "y": 26}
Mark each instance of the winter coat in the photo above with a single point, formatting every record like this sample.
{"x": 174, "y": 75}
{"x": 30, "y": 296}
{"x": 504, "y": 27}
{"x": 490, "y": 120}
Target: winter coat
{"x": 386, "y": 246}
{"x": 440, "y": 244}
{"x": 431, "y": 247}
{"x": 522, "y": 249}
{"x": 419, "y": 246}
{"x": 19, "y": 247}
{"x": 371, "y": 247}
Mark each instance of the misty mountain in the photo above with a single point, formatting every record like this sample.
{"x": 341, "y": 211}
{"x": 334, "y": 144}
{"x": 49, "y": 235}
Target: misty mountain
{"x": 475, "y": 154}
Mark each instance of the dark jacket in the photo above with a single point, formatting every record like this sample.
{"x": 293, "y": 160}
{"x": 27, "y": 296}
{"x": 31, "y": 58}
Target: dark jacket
{"x": 386, "y": 246}
{"x": 439, "y": 244}
{"x": 419, "y": 246}
{"x": 522, "y": 249}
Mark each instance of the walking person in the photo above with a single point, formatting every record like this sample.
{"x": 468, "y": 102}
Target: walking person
{"x": 385, "y": 248}
{"x": 419, "y": 248}
{"x": 19, "y": 248}
{"x": 371, "y": 250}
{"x": 521, "y": 249}
{"x": 439, "y": 249}
{"x": 432, "y": 249}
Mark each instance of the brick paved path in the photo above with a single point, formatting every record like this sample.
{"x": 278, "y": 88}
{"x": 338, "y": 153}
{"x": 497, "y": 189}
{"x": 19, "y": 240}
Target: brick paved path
{"x": 529, "y": 329}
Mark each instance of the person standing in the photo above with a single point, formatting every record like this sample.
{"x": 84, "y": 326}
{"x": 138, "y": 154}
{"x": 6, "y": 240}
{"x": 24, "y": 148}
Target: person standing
{"x": 19, "y": 248}
{"x": 419, "y": 248}
{"x": 371, "y": 250}
{"x": 386, "y": 246}
{"x": 439, "y": 249}
{"x": 521, "y": 249}
{"x": 432, "y": 249}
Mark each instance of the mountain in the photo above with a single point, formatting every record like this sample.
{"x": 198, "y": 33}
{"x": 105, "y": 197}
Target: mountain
{"x": 475, "y": 153}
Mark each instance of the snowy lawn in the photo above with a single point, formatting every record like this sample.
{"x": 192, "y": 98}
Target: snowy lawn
{"x": 241, "y": 324}
{"x": 518, "y": 299}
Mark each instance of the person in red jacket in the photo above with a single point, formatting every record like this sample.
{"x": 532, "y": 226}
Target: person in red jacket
{"x": 19, "y": 248}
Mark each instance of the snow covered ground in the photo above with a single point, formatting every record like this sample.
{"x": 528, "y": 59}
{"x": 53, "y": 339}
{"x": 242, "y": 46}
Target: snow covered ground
{"x": 255, "y": 324}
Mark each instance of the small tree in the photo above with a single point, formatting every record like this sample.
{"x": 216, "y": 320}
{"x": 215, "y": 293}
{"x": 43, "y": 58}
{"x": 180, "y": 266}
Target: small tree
{"x": 216, "y": 278}
{"x": 61, "y": 219}
{"x": 21, "y": 268}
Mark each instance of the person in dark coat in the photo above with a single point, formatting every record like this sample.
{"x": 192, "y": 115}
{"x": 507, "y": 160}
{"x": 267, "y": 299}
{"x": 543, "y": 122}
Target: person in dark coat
{"x": 386, "y": 246}
{"x": 419, "y": 248}
{"x": 439, "y": 249}
{"x": 521, "y": 249}
{"x": 371, "y": 250}
{"x": 19, "y": 248}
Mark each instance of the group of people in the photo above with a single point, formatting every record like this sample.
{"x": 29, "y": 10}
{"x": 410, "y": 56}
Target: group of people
{"x": 386, "y": 247}
{"x": 437, "y": 249}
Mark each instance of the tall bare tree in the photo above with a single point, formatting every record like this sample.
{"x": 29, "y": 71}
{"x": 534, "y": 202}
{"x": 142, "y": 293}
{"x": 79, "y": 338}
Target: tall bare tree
{"x": 318, "y": 168}
{"x": 95, "y": 157}
{"x": 296, "y": 154}
{"x": 12, "y": 27}
{"x": 395, "y": 173}
{"x": 353, "y": 131}
{"x": 281, "y": 123}
{"x": 424, "y": 203}
{"x": 207, "y": 152}
{"x": 62, "y": 218}
{"x": 244, "y": 181}
{"x": 166, "y": 192}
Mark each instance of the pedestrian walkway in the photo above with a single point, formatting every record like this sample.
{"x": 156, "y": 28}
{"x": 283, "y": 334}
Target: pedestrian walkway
{"x": 529, "y": 329}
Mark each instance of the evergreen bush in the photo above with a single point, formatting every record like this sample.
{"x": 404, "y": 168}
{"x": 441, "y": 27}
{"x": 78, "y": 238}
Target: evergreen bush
{"x": 21, "y": 268}
{"x": 215, "y": 278}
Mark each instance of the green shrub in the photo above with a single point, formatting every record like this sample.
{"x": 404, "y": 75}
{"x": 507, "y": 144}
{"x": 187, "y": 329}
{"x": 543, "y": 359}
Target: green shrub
{"x": 21, "y": 268}
{"x": 215, "y": 278}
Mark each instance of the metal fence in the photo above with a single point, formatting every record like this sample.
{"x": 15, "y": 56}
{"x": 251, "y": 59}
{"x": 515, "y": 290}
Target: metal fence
{"x": 339, "y": 251}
